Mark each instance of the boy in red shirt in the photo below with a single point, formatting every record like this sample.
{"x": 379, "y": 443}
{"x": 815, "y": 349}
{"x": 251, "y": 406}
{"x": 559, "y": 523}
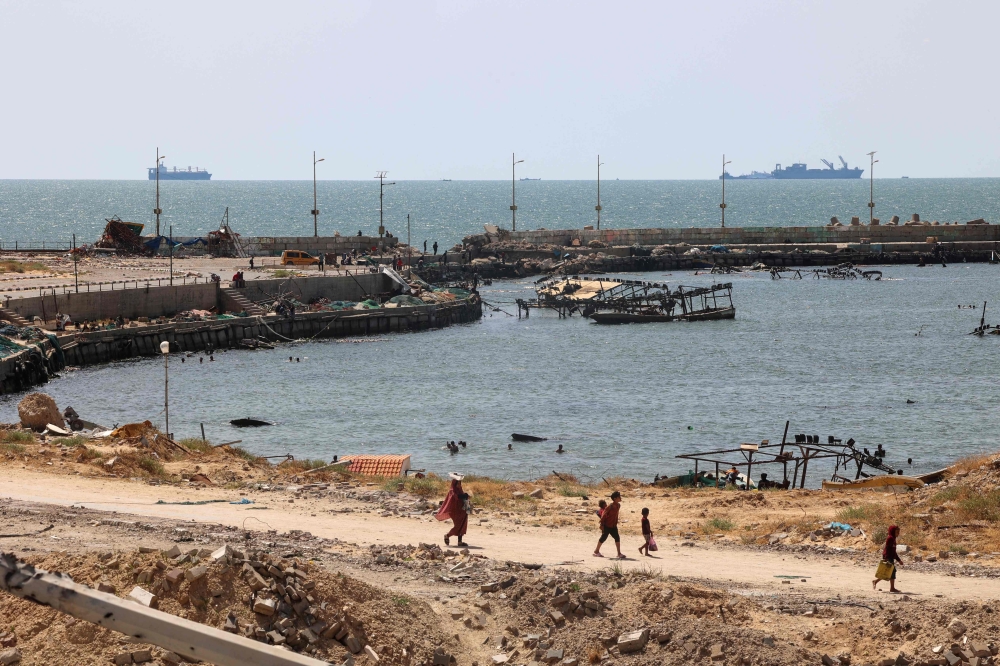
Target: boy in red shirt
{"x": 609, "y": 525}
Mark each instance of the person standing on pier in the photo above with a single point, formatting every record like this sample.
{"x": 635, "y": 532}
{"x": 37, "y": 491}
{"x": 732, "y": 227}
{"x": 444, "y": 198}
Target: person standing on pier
{"x": 455, "y": 508}
{"x": 435, "y": 247}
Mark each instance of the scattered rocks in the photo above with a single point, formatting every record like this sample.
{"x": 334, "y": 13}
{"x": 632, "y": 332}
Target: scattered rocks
{"x": 633, "y": 641}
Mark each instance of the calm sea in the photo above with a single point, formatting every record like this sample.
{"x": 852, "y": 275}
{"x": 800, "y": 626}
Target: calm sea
{"x": 835, "y": 358}
{"x": 35, "y": 210}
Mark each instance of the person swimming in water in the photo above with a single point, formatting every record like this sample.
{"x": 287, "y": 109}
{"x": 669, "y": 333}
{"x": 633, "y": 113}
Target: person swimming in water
{"x": 560, "y": 449}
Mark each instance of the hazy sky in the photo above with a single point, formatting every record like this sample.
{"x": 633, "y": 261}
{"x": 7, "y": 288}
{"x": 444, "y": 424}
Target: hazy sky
{"x": 430, "y": 90}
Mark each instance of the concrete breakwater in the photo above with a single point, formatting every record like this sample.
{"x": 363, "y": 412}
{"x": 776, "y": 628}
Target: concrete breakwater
{"x": 38, "y": 361}
{"x": 575, "y": 251}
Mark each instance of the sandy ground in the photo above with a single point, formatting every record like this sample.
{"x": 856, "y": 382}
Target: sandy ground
{"x": 498, "y": 537}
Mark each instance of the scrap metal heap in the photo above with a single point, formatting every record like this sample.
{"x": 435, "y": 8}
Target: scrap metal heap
{"x": 123, "y": 237}
{"x": 847, "y": 458}
{"x": 635, "y": 299}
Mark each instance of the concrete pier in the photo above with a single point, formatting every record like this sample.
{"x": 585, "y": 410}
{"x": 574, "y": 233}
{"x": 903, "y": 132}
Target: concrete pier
{"x": 37, "y": 362}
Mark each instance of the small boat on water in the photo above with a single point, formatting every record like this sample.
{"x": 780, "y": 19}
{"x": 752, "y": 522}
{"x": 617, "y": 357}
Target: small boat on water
{"x": 249, "y": 423}
{"x": 882, "y": 481}
{"x": 517, "y": 437}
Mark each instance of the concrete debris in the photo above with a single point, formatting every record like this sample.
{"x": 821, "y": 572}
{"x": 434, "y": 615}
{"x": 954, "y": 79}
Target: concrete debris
{"x": 956, "y": 628}
{"x": 10, "y": 657}
{"x": 37, "y": 410}
{"x": 633, "y": 641}
{"x": 142, "y": 597}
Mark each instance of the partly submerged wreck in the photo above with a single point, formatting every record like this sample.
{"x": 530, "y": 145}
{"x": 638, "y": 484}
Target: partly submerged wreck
{"x": 609, "y": 301}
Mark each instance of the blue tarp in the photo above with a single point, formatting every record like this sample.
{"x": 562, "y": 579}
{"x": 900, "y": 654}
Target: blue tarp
{"x": 720, "y": 248}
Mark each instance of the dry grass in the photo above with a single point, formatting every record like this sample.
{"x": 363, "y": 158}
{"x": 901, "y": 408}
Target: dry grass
{"x": 18, "y": 436}
{"x": 11, "y": 266}
{"x": 716, "y": 525}
{"x": 196, "y": 444}
{"x": 71, "y": 442}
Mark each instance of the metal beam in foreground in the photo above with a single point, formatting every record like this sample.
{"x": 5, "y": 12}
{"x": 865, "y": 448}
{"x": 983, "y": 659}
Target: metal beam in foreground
{"x": 190, "y": 640}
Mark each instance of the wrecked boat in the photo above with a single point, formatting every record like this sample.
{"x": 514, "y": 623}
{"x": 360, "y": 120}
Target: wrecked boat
{"x": 682, "y": 304}
{"x": 517, "y": 437}
{"x": 611, "y": 301}
{"x": 249, "y": 423}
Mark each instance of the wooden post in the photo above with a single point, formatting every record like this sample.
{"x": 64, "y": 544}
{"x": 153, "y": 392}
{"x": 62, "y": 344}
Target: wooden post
{"x": 190, "y": 640}
{"x": 203, "y": 432}
{"x": 784, "y": 438}
{"x": 717, "y": 486}
{"x": 749, "y": 467}
{"x": 805, "y": 466}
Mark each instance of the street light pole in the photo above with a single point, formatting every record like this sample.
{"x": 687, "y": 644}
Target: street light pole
{"x": 381, "y": 185}
{"x": 165, "y": 350}
{"x": 76, "y": 275}
{"x": 723, "y": 204}
{"x": 513, "y": 203}
{"x": 409, "y": 249}
{"x": 170, "y": 246}
{"x": 598, "y": 206}
{"x": 157, "y": 210}
{"x": 315, "y": 210}
{"x": 871, "y": 187}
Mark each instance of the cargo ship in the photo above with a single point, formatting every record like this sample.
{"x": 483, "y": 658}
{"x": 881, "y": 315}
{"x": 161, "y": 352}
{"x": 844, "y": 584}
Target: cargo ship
{"x": 799, "y": 171}
{"x": 191, "y": 173}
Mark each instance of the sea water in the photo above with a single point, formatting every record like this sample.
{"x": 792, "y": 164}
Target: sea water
{"x": 833, "y": 357}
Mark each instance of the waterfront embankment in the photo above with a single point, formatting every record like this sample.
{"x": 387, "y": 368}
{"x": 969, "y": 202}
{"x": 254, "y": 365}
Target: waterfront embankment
{"x": 152, "y": 316}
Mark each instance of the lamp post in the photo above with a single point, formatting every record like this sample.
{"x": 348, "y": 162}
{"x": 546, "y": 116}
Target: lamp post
{"x": 315, "y": 210}
{"x": 871, "y": 187}
{"x": 381, "y": 186}
{"x": 165, "y": 350}
{"x": 158, "y": 210}
{"x": 76, "y": 275}
{"x": 170, "y": 248}
{"x": 513, "y": 203}
{"x": 723, "y": 204}
{"x": 409, "y": 250}
{"x": 598, "y": 206}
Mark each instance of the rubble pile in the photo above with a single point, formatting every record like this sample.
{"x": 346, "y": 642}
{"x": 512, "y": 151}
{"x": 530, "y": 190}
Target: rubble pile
{"x": 37, "y": 410}
{"x": 289, "y": 602}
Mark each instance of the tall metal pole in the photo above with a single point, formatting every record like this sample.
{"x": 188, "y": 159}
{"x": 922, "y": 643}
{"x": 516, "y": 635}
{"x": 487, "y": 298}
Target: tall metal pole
{"x": 409, "y": 250}
{"x": 166, "y": 390}
{"x": 871, "y": 187}
{"x": 170, "y": 244}
{"x": 598, "y": 206}
{"x": 315, "y": 211}
{"x": 157, "y": 210}
{"x": 381, "y": 187}
{"x": 723, "y": 204}
{"x": 513, "y": 202}
{"x": 76, "y": 275}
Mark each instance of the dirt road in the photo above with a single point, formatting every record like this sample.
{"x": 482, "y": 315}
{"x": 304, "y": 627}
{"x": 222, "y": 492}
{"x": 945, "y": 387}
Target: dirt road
{"x": 497, "y": 538}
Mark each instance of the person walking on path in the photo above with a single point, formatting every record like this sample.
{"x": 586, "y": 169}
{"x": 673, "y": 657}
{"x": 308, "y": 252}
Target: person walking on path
{"x": 455, "y": 508}
{"x": 609, "y": 525}
{"x": 887, "y": 567}
{"x": 647, "y": 532}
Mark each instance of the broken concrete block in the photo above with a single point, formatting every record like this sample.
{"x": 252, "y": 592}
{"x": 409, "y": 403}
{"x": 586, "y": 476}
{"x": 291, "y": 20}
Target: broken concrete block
{"x": 570, "y": 661}
{"x": 142, "y": 656}
{"x": 265, "y": 606}
{"x": 554, "y": 655}
{"x": 170, "y": 658}
{"x": 142, "y": 597}
{"x": 980, "y": 648}
{"x": 489, "y": 587}
{"x": 441, "y": 658}
{"x": 174, "y": 576}
{"x": 633, "y": 641}
{"x": 106, "y": 587}
{"x": 173, "y": 552}
{"x": 558, "y": 618}
{"x": 457, "y": 615}
{"x": 956, "y": 628}
{"x": 121, "y": 659}
{"x": 10, "y": 657}
{"x": 221, "y": 554}
{"x": 827, "y": 660}
{"x": 560, "y": 600}
{"x": 718, "y": 655}
{"x": 952, "y": 658}
{"x": 371, "y": 653}
{"x": 537, "y": 493}
{"x": 275, "y": 637}
{"x": 195, "y": 573}
{"x": 353, "y": 644}
{"x": 499, "y": 659}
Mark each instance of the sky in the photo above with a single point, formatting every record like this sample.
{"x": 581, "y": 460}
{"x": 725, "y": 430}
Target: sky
{"x": 432, "y": 90}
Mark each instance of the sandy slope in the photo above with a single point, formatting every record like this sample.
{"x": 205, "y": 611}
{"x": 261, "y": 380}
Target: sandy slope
{"x": 497, "y": 539}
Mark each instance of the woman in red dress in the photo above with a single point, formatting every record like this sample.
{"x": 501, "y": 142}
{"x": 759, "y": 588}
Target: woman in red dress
{"x": 453, "y": 508}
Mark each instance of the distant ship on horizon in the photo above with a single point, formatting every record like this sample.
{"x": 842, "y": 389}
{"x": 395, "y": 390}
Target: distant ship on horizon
{"x": 799, "y": 171}
{"x": 195, "y": 173}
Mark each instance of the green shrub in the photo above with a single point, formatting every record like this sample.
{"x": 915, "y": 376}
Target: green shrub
{"x": 196, "y": 444}
{"x": 719, "y": 524}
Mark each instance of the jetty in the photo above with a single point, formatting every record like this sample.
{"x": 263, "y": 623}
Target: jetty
{"x": 209, "y": 317}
